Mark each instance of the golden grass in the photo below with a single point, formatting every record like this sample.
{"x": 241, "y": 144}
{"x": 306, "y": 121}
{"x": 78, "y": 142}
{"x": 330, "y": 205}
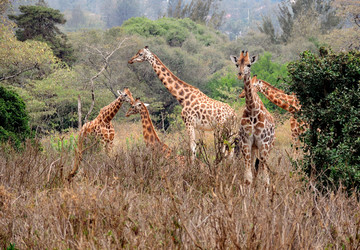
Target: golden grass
{"x": 136, "y": 198}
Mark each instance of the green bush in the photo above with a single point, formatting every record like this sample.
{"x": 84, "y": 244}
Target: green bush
{"x": 176, "y": 31}
{"x": 224, "y": 87}
{"x": 14, "y": 120}
{"x": 271, "y": 72}
{"x": 328, "y": 88}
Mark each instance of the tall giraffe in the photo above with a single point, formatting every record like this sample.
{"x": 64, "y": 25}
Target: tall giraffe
{"x": 150, "y": 136}
{"x": 199, "y": 111}
{"x": 257, "y": 127}
{"x": 287, "y": 102}
{"x": 101, "y": 126}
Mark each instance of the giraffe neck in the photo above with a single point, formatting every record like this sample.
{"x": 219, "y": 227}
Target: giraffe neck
{"x": 178, "y": 88}
{"x": 250, "y": 94}
{"x": 278, "y": 97}
{"x": 108, "y": 112}
{"x": 149, "y": 132}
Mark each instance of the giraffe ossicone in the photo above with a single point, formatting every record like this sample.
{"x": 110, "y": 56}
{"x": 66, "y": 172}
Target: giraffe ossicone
{"x": 199, "y": 111}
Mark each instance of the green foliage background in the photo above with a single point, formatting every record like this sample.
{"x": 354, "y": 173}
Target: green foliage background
{"x": 14, "y": 120}
{"x": 328, "y": 86}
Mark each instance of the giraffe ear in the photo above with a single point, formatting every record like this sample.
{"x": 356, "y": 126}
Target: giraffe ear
{"x": 146, "y": 104}
{"x": 254, "y": 59}
{"x": 234, "y": 59}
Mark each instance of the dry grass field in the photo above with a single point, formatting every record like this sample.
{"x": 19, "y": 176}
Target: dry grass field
{"x": 136, "y": 198}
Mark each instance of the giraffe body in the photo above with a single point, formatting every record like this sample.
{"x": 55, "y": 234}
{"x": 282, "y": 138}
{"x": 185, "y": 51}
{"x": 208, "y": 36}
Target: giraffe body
{"x": 287, "y": 102}
{"x": 199, "y": 111}
{"x": 257, "y": 127}
{"x": 101, "y": 127}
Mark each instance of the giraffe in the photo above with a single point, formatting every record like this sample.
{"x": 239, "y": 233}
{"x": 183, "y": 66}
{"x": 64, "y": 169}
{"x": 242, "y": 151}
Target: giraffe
{"x": 101, "y": 126}
{"x": 257, "y": 127}
{"x": 199, "y": 111}
{"x": 287, "y": 102}
{"x": 150, "y": 136}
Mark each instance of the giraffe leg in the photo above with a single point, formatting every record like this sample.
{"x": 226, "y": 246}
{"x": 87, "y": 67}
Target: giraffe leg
{"x": 192, "y": 141}
{"x": 248, "y": 156}
{"x": 263, "y": 169}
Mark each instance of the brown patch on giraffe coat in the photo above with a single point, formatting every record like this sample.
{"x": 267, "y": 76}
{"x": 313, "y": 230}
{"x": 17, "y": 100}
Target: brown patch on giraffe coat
{"x": 181, "y": 92}
{"x": 149, "y": 129}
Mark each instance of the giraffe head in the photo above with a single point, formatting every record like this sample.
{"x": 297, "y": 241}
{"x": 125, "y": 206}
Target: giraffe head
{"x": 130, "y": 98}
{"x": 123, "y": 95}
{"x": 136, "y": 107}
{"x": 243, "y": 63}
{"x": 141, "y": 55}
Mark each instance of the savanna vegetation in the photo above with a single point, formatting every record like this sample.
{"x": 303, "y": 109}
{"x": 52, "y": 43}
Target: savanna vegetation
{"x": 57, "y": 76}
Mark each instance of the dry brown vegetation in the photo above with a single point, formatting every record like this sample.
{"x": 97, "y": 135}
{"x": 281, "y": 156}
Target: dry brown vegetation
{"x": 137, "y": 198}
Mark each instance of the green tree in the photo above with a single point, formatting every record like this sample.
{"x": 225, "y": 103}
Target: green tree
{"x": 298, "y": 17}
{"x": 39, "y": 23}
{"x": 14, "y": 120}
{"x": 200, "y": 11}
{"x": 328, "y": 88}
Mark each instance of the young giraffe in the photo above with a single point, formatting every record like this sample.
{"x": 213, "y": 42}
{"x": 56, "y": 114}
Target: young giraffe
{"x": 257, "y": 130}
{"x": 149, "y": 133}
{"x": 288, "y": 102}
{"x": 101, "y": 126}
{"x": 199, "y": 111}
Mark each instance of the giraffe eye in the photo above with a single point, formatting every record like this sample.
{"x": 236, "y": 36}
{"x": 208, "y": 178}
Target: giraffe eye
{"x": 140, "y": 54}
{"x": 249, "y": 65}
{"x": 237, "y": 65}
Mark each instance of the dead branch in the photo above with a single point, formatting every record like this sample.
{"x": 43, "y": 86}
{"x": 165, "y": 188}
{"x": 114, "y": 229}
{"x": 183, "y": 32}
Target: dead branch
{"x": 106, "y": 64}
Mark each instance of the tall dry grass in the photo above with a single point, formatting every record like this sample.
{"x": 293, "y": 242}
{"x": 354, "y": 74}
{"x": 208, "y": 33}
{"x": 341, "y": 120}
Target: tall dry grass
{"x": 136, "y": 198}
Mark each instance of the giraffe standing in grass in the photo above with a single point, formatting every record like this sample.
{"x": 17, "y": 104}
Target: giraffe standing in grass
{"x": 199, "y": 111}
{"x": 257, "y": 127}
{"x": 101, "y": 127}
{"x": 150, "y": 136}
{"x": 288, "y": 102}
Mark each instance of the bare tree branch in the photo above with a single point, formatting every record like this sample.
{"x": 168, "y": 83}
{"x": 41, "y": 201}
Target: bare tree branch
{"x": 3, "y": 78}
{"x": 106, "y": 64}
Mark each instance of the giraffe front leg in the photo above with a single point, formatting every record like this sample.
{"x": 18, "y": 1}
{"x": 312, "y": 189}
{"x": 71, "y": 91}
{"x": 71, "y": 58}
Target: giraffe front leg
{"x": 248, "y": 156}
{"x": 263, "y": 169}
{"x": 192, "y": 141}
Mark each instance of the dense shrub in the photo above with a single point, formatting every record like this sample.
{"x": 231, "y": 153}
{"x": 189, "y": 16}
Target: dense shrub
{"x": 328, "y": 88}
{"x": 176, "y": 31}
{"x": 14, "y": 120}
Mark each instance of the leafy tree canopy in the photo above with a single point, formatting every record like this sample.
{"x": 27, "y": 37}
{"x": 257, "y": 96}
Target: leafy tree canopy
{"x": 14, "y": 120}
{"x": 175, "y": 31}
{"x": 328, "y": 88}
{"x": 39, "y": 23}
{"x": 18, "y": 57}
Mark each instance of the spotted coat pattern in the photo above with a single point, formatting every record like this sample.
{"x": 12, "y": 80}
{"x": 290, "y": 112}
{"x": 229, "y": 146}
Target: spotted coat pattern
{"x": 287, "y": 102}
{"x": 199, "y": 111}
{"x": 257, "y": 126}
{"x": 101, "y": 127}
